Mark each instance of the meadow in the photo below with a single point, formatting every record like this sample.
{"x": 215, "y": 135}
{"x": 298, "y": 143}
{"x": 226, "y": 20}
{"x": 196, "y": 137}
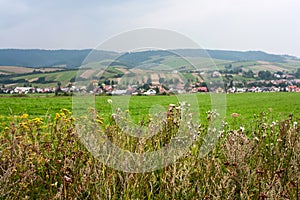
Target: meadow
{"x": 256, "y": 156}
{"x": 246, "y": 104}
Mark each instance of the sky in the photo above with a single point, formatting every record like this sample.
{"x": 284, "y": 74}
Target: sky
{"x": 267, "y": 25}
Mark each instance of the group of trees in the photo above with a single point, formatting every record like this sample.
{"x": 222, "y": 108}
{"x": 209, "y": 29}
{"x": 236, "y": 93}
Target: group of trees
{"x": 297, "y": 74}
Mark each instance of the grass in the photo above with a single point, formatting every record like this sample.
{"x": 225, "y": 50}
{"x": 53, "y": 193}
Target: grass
{"x": 246, "y": 104}
{"x": 44, "y": 158}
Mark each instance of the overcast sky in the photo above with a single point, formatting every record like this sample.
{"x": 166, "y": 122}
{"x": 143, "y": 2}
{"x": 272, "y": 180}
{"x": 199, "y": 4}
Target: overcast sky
{"x": 267, "y": 25}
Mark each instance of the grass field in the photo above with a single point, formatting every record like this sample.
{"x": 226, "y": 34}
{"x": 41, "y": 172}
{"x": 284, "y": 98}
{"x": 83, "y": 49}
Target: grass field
{"x": 246, "y": 104}
{"x": 256, "y": 154}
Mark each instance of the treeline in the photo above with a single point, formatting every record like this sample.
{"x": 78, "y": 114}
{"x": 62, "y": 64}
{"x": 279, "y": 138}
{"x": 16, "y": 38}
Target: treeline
{"x": 74, "y": 58}
{"x": 47, "y": 58}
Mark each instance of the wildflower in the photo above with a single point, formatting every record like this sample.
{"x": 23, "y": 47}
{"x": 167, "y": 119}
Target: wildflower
{"x": 24, "y": 116}
{"x": 264, "y": 126}
{"x": 221, "y": 133}
{"x": 67, "y": 179}
{"x": 57, "y": 116}
{"x": 235, "y": 115}
{"x": 99, "y": 121}
{"x": 54, "y": 184}
{"x": 65, "y": 111}
{"x": 24, "y": 125}
{"x": 195, "y": 137}
{"x": 182, "y": 104}
{"x": 109, "y": 101}
{"x": 272, "y": 124}
{"x": 37, "y": 120}
{"x": 224, "y": 123}
{"x": 242, "y": 129}
{"x": 279, "y": 140}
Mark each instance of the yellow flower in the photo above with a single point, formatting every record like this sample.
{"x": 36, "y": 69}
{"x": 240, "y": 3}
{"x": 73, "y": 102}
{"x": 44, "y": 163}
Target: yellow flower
{"x": 24, "y": 116}
{"x": 66, "y": 111}
{"x": 57, "y": 116}
{"x": 24, "y": 125}
{"x": 37, "y": 120}
{"x": 99, "y": 121}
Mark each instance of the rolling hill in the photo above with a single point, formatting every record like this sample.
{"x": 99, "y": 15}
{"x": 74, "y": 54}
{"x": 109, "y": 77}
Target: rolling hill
{"x": 37, "y": 58}
{"x": 47, "y": 67}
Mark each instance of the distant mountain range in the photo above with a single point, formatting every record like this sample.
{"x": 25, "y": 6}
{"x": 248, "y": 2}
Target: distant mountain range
{"x": 37, "y": 58}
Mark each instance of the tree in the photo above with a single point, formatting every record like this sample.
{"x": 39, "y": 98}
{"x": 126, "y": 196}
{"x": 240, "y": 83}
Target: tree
{"x": 161, "y": 80}
{"x": 229, "y": 66}
{"x": 157, "y": 90}
{"x": 58, "y": 89}
{"x": 265, "y": 75}
{"x": 176, "y": 81}
{"x": 186, "y": 86}
{"x": 203, "y": 84}
{"x": 149, "y": 80}
{"x": 249, "y": 74}
{"x": 146, "y": 86}
{"x": 297, "y": 74}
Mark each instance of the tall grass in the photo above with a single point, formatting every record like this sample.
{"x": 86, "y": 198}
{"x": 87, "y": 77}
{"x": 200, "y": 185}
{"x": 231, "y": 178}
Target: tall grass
{"x": 44, "y": 158}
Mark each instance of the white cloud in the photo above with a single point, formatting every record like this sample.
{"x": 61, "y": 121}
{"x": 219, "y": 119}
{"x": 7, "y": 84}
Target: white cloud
{"x": 269, "y": 25}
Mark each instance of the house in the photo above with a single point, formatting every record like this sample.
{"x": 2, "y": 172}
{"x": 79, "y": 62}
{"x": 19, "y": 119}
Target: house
{"x": 150, "y": 92}
{"x": 202, "y": 89}
{"x": 21, "y": 90}
{"x": 241, "y": 89}
{"x": 292, "y": 88}
{"x": 216, "y": 74}
{"x": 119, "y": 92}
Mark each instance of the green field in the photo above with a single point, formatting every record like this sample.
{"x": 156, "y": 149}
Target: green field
{"x": 246, "y": 104}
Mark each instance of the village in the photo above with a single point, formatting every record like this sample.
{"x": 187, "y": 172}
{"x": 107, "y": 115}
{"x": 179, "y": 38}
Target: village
{"x": 278, "y": 83}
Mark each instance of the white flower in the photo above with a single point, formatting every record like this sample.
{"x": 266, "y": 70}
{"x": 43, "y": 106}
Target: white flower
{"x": 279, "y": 140}
{"x": 272, "y": 124}
{"x": 242, "y": 129}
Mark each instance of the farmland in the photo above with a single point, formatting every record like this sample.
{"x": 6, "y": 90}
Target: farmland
{"x": 246, "y": 104}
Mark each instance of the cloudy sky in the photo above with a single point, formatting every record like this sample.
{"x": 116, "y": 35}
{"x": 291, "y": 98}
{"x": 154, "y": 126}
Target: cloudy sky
{"x": 267, "y": 25}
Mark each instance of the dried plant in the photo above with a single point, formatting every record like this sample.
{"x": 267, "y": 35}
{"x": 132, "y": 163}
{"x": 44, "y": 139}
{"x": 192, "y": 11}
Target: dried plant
{"x": 45, "y": 158}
